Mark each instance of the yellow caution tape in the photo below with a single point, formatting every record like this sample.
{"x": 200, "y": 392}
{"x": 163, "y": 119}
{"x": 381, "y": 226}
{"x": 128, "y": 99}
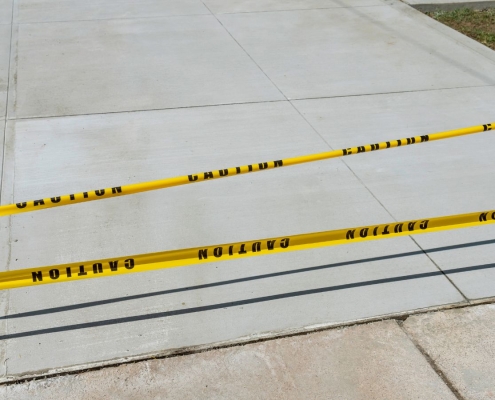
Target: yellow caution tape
{"x": 64, "y": 200}
{"x": 231, "y": 251}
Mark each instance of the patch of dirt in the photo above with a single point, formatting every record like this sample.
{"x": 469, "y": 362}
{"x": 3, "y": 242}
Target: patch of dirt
{"x": 477, "y": 24}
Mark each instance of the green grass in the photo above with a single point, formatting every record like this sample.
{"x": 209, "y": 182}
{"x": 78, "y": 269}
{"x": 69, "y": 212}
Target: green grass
{"x": 478, "y": 25}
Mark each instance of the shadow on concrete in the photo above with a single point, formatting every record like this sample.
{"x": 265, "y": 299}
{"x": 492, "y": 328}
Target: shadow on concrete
{"x": 191, "y": 310}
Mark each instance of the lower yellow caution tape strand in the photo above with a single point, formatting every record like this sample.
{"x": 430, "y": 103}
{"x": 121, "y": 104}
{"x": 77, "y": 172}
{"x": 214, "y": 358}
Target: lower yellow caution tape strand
{"x": 230, "y": 251}
{"x": 64, "y": 200}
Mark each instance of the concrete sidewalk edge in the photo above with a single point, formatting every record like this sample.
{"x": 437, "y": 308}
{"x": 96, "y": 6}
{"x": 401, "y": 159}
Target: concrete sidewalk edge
{"x": 77, "y": 369}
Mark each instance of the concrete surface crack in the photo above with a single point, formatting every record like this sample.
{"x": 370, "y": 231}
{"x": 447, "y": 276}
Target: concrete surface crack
{"x": 431, "y": 362}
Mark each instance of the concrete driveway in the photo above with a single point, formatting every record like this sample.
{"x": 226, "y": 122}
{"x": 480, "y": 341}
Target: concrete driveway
{"x": 98, "y": 94}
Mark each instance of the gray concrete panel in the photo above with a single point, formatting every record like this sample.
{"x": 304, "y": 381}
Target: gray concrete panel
{"x": 235, "y": 6}
{"x": 4, "y": 296}
{"x": 438, "y": 178}
{"x": 351, "y": 51}
{"x": 4, "y": 257}
{"x": 5, "y": 31}
{"x": 123, "y": 65}
{"x": 63, "y": 155}
{"x": 5, "y": 11}
{"x": 375, "y": 361}
{"x": 469, "y": 263}
{"x": 4, "y": 222}
{"x": 462, "y": 344}
{"x": 73, "y": 10}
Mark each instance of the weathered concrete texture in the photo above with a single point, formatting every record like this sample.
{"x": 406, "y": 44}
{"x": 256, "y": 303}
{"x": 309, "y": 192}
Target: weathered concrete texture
{"x": 4, "y": 222}
{"x": 328, "y": 285}
{"x": 359, "y": 50}
{"x": 4, "y": 259}
{"x": 5, "y": 11}
{"x": 138, "y": 64}
{"x": 4, "y": 243}
{"x": 433, "y": 179}
{"x": 235, "y": 6}
{"x": 5, "y": 31}
{"x": 4, "y": 299}
{"x": 78, "y": 67}
{"x": 375, "y": 361}
{"x": 448, "y": 5}
{"x": 73, "y": 10}
{"x": 462, "y": 344}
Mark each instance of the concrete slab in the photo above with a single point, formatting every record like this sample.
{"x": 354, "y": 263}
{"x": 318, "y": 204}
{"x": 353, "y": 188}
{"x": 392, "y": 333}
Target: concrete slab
{"x": 4, "y": 295}
{"x": 139, "y": 64}
{"x": 438, "y": 178}
{"x": 158, "y": 312}
{"x": 5, "y": 31}
{"x": 72, "y": 10}
{"x": 4, "y": 298}
{"x": 351, "y": 51}
{"x": 5, "y": 11}
{"x": 236, "y": 6}
{"x": 4, "y": 222}
{"x": 461, "y": 342}
{"x": 375, "y": 361}
{"x": 5, "y": 179}
{"x": 4, "y": 256}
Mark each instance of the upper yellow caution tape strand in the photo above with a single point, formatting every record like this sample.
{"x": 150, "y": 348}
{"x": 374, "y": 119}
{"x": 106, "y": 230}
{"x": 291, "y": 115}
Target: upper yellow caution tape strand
{"x": 230, "y": 251}
{"x": 64, "y": 200}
